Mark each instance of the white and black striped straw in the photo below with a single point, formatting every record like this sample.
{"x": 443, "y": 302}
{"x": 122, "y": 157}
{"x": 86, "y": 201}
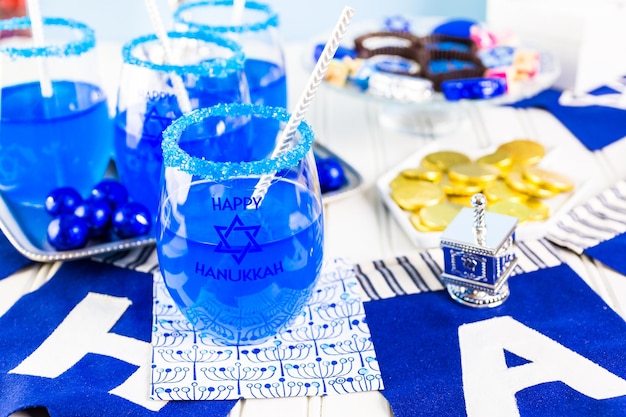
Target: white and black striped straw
{"x": 285, "y": 140}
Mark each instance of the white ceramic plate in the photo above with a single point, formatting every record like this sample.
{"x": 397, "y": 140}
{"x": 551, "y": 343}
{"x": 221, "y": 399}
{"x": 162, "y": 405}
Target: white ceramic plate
{"x": 558, "y": 158}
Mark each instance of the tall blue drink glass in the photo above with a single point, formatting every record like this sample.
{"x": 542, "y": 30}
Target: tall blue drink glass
{"x": 210, "y": 68}
{"x": 256, "y": 30}
{"x": 55, "y": 128}
{"x": 238, "y": 263}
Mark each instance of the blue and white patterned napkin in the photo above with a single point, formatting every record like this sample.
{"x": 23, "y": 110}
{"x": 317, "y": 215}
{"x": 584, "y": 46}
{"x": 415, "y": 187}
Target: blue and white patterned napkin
{"x": 327, "y": 350}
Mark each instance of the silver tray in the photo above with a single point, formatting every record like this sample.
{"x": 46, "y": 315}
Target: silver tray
{"x": 39, "y": 250}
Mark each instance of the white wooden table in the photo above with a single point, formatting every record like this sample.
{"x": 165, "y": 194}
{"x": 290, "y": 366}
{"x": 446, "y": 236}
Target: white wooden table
{"x": 360, "y": 228}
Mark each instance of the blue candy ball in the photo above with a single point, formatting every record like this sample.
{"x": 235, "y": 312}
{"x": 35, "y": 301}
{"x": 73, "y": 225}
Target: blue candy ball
{"x": 67, "y": 231}
{"x": 131, "y": 220}
{"x": 62, "y": 200}
{"x": 97, "y": 214}
{"x": 111, "y": 191}
{"x": 331, "y": 174}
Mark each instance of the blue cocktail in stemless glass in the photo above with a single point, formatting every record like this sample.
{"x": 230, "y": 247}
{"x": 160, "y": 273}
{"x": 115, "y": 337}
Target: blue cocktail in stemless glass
{"x": 238, "y": 263}
{"x": 257, "y": 32}
{"x": 211, "y": 70}
{"x": 55, "y": 128}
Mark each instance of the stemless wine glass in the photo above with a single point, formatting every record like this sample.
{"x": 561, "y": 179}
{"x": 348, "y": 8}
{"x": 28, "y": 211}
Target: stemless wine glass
{"x": 54, "y": 121}
{"x": 257, "y": 32}
{"x": 211, "y": 70}
{"x": 239, "y": 263}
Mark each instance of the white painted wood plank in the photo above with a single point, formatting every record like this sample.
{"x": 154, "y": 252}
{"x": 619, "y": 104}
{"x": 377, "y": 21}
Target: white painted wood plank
{"x": 356, "y": 404}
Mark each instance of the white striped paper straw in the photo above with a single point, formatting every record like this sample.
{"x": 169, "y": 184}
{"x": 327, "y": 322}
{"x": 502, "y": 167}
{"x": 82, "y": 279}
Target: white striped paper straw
{"x": 285, "y": 140}
{"x": 36, "y": 27}
{"x": 159, "y": 28}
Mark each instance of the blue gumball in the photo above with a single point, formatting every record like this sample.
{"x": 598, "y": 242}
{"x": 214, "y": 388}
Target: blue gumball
{"x": 331, "y": 174}
{"x": 97, "y": 214}
{"x": 111, "y": 191}
{"x": 67, "y": 231}
{"x": 62, "y": 200}
{"x": 131, "y": 220}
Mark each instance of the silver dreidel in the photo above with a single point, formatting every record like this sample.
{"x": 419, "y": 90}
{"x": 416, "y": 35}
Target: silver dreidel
{"x": 479, "y": 255}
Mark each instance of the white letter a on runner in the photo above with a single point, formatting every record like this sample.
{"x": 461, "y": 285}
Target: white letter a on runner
{"x": 490, "y": 386}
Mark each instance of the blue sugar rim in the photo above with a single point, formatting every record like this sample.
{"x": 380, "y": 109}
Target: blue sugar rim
{"x": 272, "y": 17}
{"x": 74, "y": 47}
{"x": 216, "y": 67}
{"x": 175, "y": 157}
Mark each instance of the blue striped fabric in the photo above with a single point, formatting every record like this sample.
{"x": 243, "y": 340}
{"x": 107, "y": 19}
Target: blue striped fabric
{"x": 412, "y": 274}
{"x": 420, "y": 272}
{"x": 597, "y": 228}
{"x": 598, "y": 220}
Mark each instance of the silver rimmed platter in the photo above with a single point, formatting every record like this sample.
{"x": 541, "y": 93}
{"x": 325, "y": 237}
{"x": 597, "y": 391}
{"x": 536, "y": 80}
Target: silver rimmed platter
{"x": 25, "y": 228}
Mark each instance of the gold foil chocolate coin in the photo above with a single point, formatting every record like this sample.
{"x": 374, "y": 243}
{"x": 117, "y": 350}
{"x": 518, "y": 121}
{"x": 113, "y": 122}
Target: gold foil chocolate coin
{"x": 548, "y": 179}
{"x": 401, "y": 181}
{"x": 443, "y": 160}
{"x": 423, "y": 173}
{"x": 500, "y": 159}
{"x": 416, "y": 221}
{"x": 516, "y": 181}
{"x": 459, "y": 188}
{"x": 437, "y": 217}
{"x": 539, "y": 209}
{"x": 462, "y": 200}
{"x": 499, "y": 191}
{"x": 473, "y": 173}
{"x": 524, "y": 151}
{"x": 417, "y": 194}
{"x": 511, "y": 208}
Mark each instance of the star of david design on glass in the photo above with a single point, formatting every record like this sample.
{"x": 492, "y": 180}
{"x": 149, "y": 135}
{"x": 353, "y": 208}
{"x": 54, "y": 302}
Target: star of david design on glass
{"x": 237, "y": 227}
{"x": 156, "y": 118}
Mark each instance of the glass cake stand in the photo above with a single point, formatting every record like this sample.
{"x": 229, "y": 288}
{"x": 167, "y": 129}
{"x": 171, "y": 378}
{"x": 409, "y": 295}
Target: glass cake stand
{"x": 436, "y": 116}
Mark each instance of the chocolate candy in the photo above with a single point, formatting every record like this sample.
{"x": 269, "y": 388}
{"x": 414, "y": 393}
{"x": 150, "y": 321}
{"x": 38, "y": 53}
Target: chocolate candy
{"x": 497, "y": 57}
{"x": 400, "y": 87}
{"x": 394, "y": 64}
{"x": 387, "y": 43}
{"x": 397, "y": 24}
{"x": 341, "y": 53}
{"x": 441, "y": 66}
{"x": 337, "y": 73}
{"x": 483, "y": 37}
{"x": 473, "y": 88}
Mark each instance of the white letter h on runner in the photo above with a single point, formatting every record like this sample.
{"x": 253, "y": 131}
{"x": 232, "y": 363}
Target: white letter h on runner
{"x": 86, "y": 329}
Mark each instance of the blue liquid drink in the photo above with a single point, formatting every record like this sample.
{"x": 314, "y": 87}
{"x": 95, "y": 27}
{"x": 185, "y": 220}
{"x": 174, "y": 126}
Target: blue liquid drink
{"x": 54, "y": 122}
{"x": 238, "y": 257}
{"x": 267, "y": 81}
{"x": 138, "y": 154}
{"x": 256, "y": 30}
{"x": 212, "y": 71}
{"x": 46, "y": 143}
{"x": 243, "y": 274}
